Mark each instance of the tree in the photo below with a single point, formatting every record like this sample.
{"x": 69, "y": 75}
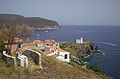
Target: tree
{"x": 9, "y": 33}
{"x": 2, "y": 46}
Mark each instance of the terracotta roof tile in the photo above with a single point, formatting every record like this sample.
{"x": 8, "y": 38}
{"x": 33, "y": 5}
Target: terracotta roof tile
{"x": 37, "y": 41}
{"x": 49, "y": 41}
{"x": 60, "y": 50}
{"x": 56, "y": 55}
{"x": 47, "y": 52}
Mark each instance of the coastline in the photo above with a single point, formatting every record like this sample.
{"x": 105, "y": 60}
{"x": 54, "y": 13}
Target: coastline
{"x": 43, "y": 29}
{"x": 110, "y": 53}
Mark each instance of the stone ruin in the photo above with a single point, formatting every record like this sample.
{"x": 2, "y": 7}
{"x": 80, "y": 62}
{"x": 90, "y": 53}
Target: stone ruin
{"x": 34, "y": 55}
{"x": 22, "y": 60}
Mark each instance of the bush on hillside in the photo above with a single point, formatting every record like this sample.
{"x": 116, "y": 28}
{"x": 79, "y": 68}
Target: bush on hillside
{"x": 2, "y": 48}
{"x": 95, "y": 68}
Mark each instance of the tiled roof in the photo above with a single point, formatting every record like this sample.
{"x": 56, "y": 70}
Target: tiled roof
{"x": 47, "y": 52}
{"x": 37, "y": 41}
{"x": 56, "y": 55}
{"x": 49, "y": 41}
{"x": 60, "y": 50}
{"x": 53, "y": 48}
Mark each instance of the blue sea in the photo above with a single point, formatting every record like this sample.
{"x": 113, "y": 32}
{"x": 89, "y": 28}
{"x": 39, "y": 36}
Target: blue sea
{"x": 106, "y": 37}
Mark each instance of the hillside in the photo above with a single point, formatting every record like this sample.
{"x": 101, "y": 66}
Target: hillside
{"x": 52, "y": 69}
{"x": 78, "y": 49}
{"x": 34, "y": 22}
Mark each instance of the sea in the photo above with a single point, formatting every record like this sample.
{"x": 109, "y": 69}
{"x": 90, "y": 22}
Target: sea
{"x": 106, "y": 37}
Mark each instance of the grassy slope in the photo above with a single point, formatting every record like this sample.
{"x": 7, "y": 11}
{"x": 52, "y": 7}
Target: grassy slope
{"x": 52, "y": 69}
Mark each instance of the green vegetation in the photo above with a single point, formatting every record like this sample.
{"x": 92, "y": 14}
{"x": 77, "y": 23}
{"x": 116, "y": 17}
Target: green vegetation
{"x": 78, "y": 49}
{"x": 95, "y": 68}
{"x": 9, "y": 34}
{"x": 52, "y": 69}
{"x": 34, "y": 22}
{"x": 2, "y": 46}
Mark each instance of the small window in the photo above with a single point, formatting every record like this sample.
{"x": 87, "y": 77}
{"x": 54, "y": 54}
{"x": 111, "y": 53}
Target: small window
{"x": 65, "y": 56}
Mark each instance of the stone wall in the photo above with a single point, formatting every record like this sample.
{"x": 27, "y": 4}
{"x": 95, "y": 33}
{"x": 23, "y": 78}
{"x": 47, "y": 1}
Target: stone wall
{"x": 31, "y": 54}
{"x": 34, "y": 55}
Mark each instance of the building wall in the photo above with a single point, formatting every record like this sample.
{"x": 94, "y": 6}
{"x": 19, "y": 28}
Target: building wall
{"x": 62, "y": 56}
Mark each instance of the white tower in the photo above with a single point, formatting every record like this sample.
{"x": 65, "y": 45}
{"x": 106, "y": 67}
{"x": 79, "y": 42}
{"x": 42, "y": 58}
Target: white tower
{"x": 81, "y": 40}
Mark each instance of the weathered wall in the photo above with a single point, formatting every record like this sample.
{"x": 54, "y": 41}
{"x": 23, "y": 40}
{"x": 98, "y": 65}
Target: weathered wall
{"x": 10, "y": 60}
{"x": 34, "y": 55}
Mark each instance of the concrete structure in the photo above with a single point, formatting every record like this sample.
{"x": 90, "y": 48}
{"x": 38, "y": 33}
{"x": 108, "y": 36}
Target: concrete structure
{"x": 23, "y": 60}
{"x": 63, "y": 55}
{"x": 58, "y": 53}
{"x": 36, "y": 56}
{"x": 79, "y": 40}
{"x": 9, "y": 59}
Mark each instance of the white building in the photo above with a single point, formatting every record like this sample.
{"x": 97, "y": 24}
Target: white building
{"x": 79, "y": 40}
{"x": 23, "y": 60}
{"x": 63, "y": 55}
{"x": 59, "y": 54}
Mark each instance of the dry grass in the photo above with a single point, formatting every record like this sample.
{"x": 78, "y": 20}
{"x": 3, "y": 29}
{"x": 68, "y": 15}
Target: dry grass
{"x": 52, "y": 69}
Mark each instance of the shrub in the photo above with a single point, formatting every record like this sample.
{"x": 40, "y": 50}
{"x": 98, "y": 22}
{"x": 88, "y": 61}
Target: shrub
{"x": 2, "y": 46}
{"x": 95, "y": 68}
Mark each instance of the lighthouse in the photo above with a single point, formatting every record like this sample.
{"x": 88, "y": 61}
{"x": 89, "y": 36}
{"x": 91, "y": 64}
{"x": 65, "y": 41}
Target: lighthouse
{"x": 81, "y": 40}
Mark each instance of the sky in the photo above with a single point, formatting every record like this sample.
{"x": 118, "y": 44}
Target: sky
{"x": 67, "y": 12}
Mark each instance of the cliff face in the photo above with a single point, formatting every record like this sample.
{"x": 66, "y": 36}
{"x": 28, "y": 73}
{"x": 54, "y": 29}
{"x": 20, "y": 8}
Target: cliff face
{"x": 34, "y": 22}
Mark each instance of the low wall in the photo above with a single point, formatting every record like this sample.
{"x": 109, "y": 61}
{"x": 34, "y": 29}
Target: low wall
{"x": 10, "y": 60}
{"x": 36, "y": 56}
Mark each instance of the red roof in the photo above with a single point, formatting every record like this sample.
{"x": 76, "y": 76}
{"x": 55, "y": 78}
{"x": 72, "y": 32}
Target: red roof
{"x": 56, "y": 55}
{"x": 49, "y": 41}
{"x": 54, "y": 48}
{"x": 48, "y": 52}
{"x": 37, "y": 41}
{"x": 60, "y": 50}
